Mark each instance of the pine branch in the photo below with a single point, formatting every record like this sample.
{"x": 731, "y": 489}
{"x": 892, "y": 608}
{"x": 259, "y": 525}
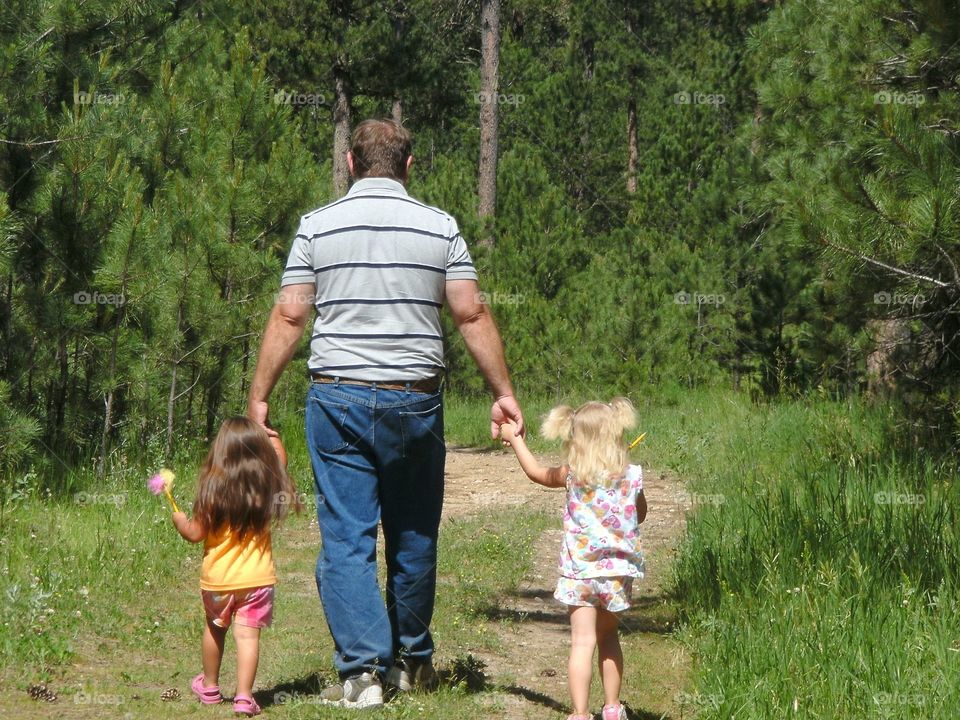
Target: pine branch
{"x": 885, "y": 266}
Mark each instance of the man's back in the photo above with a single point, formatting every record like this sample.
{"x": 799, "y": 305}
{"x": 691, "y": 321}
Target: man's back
{"x": 380, "y": 261}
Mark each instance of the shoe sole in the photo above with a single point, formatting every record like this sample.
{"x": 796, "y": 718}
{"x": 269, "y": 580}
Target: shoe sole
{"x": 361, "y": 703}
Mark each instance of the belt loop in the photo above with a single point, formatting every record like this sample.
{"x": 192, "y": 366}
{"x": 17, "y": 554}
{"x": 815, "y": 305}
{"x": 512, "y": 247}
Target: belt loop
{"x": 373, "y": 386}
{"x": 336, "y": 381}
{"x": 407, "y": 386}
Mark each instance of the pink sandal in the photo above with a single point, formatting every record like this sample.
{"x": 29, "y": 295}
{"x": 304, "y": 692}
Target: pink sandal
{"x": 206, "y": 695}
{"x": 245, "y": 705}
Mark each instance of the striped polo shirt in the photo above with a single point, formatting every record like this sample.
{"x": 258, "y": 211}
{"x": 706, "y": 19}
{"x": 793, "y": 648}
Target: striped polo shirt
{"x": 379, "y": 261}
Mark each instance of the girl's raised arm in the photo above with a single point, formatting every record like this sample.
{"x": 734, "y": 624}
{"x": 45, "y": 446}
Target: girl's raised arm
{"x": 190, "y": 530}
{"x": 552, "y": 477}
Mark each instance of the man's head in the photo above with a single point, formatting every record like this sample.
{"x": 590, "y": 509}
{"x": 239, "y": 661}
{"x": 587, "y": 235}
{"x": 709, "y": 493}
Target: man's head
{"x": 380, "y": 148}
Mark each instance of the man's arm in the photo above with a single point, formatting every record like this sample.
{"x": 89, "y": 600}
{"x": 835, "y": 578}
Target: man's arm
{"x": 475, "y": 323}
{"x": 280, "y": 339}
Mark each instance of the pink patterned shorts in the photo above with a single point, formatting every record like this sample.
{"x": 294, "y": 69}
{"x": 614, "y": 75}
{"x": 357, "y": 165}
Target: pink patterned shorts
{"x": 609, "y": 593}
{"x": 252, "y": 607}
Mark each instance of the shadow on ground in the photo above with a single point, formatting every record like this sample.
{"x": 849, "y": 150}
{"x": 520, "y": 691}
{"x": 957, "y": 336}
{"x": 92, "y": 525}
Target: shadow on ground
{"x": 648, "y": 614}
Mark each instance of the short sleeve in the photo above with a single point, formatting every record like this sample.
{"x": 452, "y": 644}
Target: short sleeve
{"x": 635, "y": 476}
{"x": 299, "y": 269}
{"x": 459, "y": 262}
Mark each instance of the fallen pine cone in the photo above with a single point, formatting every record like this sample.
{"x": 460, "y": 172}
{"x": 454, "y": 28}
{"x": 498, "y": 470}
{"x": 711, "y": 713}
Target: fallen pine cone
{"x": 549, "y": 672}
{"x": 42, "y": 692}
{"x": 170, "y": 694}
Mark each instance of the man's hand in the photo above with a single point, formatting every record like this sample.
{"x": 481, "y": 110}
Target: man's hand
{"x": 504, "y": 410}
{"x": 258, "y": 411}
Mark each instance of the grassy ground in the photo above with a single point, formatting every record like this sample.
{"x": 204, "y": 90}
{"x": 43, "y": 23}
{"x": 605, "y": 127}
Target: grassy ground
{"x": 104, "y": 606}
{"x": 820, "y": 567}
{"x": 818, "y": 577}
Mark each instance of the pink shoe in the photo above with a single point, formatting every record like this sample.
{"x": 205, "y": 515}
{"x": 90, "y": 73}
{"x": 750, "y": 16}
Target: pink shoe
{"x": 614, "y": 712}
{"x": 206, "y": 695}
{"x": 245, "y": 705}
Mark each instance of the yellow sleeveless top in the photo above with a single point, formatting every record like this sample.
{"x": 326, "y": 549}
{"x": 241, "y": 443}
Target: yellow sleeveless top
{"x": 229, "y": 564}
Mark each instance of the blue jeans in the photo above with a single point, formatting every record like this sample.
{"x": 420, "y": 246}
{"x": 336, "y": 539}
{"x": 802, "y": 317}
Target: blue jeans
{"x": 378, "y": 458}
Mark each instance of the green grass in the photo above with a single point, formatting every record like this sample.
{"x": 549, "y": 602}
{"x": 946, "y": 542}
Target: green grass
{"x": 819, "y": 570}
{"x": 103, "y": 603}
{"x": 818, "y": 577}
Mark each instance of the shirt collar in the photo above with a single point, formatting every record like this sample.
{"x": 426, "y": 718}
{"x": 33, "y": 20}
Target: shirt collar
{"x": 373, "y": 184}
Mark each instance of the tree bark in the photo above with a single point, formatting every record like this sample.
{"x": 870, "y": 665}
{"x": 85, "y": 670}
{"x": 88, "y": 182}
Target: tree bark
{"x": 489, "y": 116}
{"x": 632, "y": 146}
{"x": 341, "y": 129}
{"x": 171, "y": 400}
{"x": 396, "y": 112}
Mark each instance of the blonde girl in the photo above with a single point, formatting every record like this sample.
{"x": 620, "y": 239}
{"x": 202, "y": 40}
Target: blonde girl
{"x": 600, "y": 555}
{"x": 243, "y": 490}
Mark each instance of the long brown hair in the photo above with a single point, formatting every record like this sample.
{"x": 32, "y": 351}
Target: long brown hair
{"x": 242, "y": 484}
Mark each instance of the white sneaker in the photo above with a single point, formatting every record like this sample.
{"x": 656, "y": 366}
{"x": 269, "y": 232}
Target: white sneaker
{"x": 360, "y": 691}
{"x": 405, "y": 675}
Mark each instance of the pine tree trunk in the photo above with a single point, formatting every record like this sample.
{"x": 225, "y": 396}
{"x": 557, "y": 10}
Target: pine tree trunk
{"x": 396, "y": 112}
{"x": 171, "y": 399}
{"x": 114, "y": 343}
{"x": 632, "y": 146}
{"x": 341, "y": 131}
{"x": 489, "y": 116}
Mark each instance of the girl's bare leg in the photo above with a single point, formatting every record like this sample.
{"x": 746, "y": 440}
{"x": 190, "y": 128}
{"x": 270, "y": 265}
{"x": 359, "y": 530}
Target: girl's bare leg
{"x": 248, "y": 657}
{"x": 212, "y": 651}
{"x": 583, "y": 641}
{"x": 610, "y": 656}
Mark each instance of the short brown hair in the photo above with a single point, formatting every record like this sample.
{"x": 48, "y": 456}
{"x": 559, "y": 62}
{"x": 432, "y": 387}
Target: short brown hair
{"x": 380, "y": 148}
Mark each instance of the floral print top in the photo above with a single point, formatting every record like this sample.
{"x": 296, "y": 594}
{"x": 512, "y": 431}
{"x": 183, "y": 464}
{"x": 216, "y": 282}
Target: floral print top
{"x": 601, "y": 534}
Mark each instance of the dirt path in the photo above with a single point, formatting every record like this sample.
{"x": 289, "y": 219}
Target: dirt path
{"x": 525, "y": 677}
{"x": 531, "y": 670}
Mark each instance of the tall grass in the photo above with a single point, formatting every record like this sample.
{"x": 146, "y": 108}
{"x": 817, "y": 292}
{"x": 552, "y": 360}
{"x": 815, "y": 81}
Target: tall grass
{"x": 820, "y": 566}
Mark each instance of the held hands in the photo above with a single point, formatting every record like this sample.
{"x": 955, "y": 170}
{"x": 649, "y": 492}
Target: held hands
{"x": 506, "y": 410}
{"x": 508, "y": 433}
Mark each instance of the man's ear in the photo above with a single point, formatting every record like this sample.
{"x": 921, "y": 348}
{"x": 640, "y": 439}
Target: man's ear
{"x": 406, "y": 171}
{"x": 350, "y": 164}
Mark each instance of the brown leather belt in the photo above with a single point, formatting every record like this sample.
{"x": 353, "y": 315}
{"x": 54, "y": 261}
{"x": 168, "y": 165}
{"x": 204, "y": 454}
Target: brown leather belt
{"x": 430, "y": 385}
